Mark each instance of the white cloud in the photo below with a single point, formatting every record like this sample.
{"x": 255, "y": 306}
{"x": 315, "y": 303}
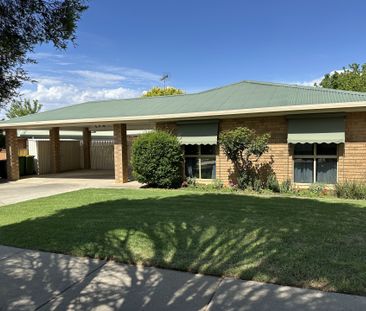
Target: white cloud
{"x": 99, "y": 75}
{"x": 313, "y": 81}
{"x": 58, "y": 95}
{"x": 134, "y": 74}
{"x": 63, "y": 80}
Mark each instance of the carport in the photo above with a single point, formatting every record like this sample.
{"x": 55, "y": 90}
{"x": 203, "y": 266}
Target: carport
{"x": 120, "y": 149}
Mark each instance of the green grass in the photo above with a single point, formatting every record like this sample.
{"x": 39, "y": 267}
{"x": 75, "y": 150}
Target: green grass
{"x": 293, "y": 241}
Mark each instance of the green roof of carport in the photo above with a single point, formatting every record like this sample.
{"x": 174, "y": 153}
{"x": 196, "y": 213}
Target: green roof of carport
{"x": 238, "y": 96}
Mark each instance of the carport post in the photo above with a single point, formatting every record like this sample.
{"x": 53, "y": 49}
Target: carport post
{"x": 86, "y": 147}
{"x": 120, "y": 153}
{"x": 55, "y": 160}
{"x": 12, "y": 158}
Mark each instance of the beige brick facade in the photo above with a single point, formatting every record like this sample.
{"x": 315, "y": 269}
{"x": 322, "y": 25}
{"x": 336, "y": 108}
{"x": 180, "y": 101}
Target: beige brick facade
{"x": 12, "y": 162}
{"x": 120, "y": 153}
{"x": 55, "y": 159}
{"x": 352, "y": 154}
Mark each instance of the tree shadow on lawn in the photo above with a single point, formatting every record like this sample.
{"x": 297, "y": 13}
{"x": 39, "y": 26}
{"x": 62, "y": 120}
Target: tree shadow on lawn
{"x": 289, "y": 241}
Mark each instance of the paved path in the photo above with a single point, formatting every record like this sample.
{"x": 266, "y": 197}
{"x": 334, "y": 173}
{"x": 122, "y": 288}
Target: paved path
{"x": 31, "y": 280}
{"x": 42, "y": 186}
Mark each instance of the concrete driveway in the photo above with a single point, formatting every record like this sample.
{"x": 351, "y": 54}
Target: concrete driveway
{"x": 42, "y": 186}
{"x": 32, "y": 280}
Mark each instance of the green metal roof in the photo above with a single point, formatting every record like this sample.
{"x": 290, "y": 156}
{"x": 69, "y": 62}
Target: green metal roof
{"x": 242, "y": 95}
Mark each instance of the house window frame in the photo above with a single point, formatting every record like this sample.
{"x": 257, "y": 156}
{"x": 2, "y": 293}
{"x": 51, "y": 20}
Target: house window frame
{"x": 314, "y": 157}
{"x": 199, "y": 156}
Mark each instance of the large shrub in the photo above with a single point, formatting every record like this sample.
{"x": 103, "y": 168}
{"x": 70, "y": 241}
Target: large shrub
{"x": 157, "y": 159}
{"x": 244, "y": 147}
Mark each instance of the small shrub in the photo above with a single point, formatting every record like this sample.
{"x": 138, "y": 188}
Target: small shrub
{"x": 191, "y": 181}
{"x": 272, "y": 183}
{"x": 316, "y": 189}
{"x": 157, "y": 159}
{"x": 286, "y": 186}
{"x": 215, "y": 185}
{"x": 218, "y": 184}
{"x": 351, "y": 190}
{"x": 257, "y": 185}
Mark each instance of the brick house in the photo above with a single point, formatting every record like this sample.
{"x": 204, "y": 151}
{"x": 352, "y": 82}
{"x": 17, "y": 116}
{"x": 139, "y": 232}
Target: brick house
{"x": 317, "y": 135}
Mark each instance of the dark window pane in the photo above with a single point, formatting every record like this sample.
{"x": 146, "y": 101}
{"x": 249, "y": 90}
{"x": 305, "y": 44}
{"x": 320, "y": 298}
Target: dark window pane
{"x": 326, "y": 171}
{"x": 208, "y": 149}
{"x": 303, "y": 170}
{"x": 208, "y": 168}
{"x": 191, "y": 167}
{"x": 326, "y": 149}
{"x": 191, "y": 149}
{"x": 304, "y": 149}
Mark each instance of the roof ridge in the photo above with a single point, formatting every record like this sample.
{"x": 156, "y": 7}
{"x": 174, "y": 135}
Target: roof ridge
{"x": 306, "y": 87}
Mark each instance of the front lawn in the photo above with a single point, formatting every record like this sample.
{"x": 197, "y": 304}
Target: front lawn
{"x": 293, "y": 241}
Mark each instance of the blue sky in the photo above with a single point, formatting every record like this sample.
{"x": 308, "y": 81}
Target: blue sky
{"x": 123, "y": 47}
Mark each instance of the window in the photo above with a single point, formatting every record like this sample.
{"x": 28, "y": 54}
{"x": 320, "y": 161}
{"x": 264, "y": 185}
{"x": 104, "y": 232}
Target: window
{"x": 315, "y": 163}
{"x": 200, "y": 161}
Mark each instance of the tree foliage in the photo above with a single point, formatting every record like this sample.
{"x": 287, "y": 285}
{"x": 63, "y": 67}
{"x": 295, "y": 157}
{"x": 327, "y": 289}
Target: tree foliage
{"x": 159, "y": 91}
{"x": 23, "y": 107}
{"x": 25, "y": 24}
{"x": 352, "y": 78}
{"x": 244, "y": 147}
{"x": 157, "y": 159}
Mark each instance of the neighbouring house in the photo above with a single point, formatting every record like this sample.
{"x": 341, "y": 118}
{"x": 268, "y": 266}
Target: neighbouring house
{"x": 317, "y": 134}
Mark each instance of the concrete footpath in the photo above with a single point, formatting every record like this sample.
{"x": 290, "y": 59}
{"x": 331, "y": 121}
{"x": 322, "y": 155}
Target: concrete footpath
{"x": 32, "y": 280}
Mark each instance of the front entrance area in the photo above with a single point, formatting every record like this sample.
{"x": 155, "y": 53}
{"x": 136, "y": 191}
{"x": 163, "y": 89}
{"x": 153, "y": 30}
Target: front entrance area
{"x": 45, "y": 185}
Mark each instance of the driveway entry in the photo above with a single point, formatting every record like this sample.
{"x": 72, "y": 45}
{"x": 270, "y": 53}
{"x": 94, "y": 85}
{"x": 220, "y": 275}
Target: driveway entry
{"x": 46, "y": 185}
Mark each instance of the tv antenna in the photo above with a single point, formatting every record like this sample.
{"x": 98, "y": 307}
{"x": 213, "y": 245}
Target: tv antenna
{"x": 164, "y": 78}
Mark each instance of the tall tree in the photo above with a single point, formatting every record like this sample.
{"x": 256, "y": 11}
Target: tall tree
{"x": 20, "y": 108}
{"x": 352, "y": 78}
{"x": 25, "y": 24}
{"x": 159, "y": 91}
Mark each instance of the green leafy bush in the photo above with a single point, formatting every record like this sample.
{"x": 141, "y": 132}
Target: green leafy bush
{"x": 351, "y": 190}
{"x": 243, "y": 147}
{"x": 157, "y": 159}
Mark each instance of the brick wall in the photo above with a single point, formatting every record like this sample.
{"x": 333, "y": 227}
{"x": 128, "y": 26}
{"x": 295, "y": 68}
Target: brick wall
{"x": 120, "y": 153}
{"x": 351, "y": 160}
{"x": 12, "y": 161}
{"x": 55, "y": 159}
{"x": 167, "y": 126}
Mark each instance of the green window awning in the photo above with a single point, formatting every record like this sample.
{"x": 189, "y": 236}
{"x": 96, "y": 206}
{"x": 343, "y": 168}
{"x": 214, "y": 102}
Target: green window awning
{"x": 198, "y": 133}
{"x": 316, "y": 130}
